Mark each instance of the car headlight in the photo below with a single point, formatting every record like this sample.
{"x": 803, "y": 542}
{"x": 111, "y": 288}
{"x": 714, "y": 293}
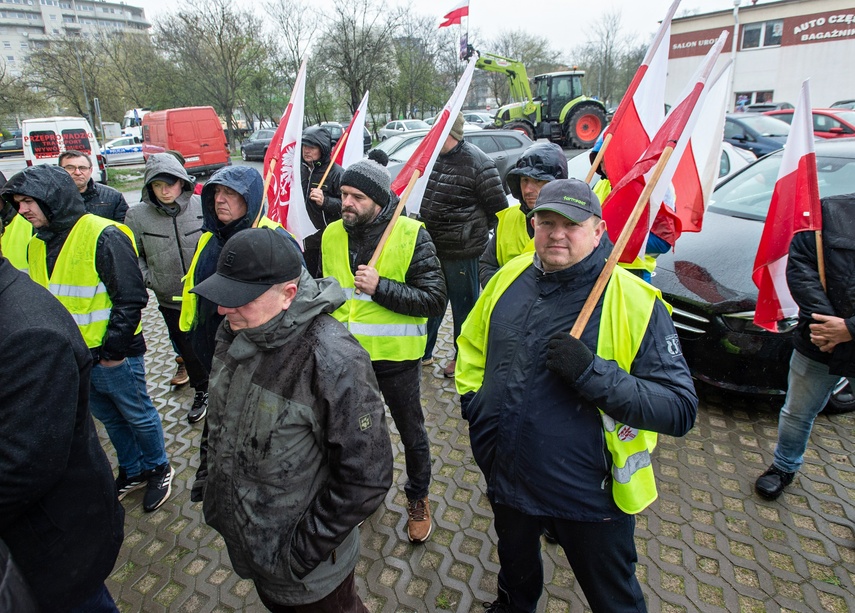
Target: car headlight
{"x": 744, "y": 322}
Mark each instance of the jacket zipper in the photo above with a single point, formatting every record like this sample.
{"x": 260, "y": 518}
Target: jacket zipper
{"x": 178, "y": 240}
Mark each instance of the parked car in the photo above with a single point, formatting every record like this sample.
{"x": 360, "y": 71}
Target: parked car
{"x": 45, "y": 138}
{"x": 123, "y": 150}
{"x": 758, "y": 133}
{"x": 255, "y": 146}
{"x": 478, "y": 118}
{"x": 195, "y": 132}
{"x": 827, "y": 123}
{"x": 707, "y": 280}
{"x": 336, "y": 129}
{"x": 391, "y": 145}
{"x": 404, "y": 125}
{"x": 12, "y": 147}
{"x": 504, "y": 147}
{"x": 844, "y": 104}
{"x": 762, "y": 107}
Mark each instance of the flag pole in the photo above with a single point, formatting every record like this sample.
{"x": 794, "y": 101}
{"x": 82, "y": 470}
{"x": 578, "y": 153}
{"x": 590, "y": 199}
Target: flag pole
{"x": 268, "y": 176}
{"x": 391, "y": 225}
{"x": 599, "y": 158}
{"x": 620, "y": 245}
{"x": 820, "y": 259}
{"x": 334, "y": 155}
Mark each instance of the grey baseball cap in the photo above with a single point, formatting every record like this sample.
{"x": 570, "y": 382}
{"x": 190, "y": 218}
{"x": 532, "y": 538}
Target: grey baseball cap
{"x": 571, "y": 198}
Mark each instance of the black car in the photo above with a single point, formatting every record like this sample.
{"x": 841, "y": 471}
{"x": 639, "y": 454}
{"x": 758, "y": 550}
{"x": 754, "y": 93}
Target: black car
{"x": 255, "y": 147}
{"x": 12, "y": 147}
{"x": 754, "y": 132}
{"x": 335, "y": 130}
{"x": 707, "y": 279}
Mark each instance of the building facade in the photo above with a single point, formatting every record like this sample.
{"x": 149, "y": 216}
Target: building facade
{"x": 30, "y": 24}
{"x": 779, "y": 44}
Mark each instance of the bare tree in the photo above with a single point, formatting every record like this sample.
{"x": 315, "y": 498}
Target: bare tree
{"x": 604, "y": 57}
{"x": 63, "y": 68}
{"x": 16, "y": 98}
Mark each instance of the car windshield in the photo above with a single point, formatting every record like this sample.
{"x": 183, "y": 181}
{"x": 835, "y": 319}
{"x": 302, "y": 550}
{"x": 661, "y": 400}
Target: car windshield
{"x": 403, "y": 154}
{"x": 847, "y": 116}
{"x": 749, "y": 193}
{"x": 767, "y": 126}
{"x": 415, "y": 124}
{"x": 391, "y": 143}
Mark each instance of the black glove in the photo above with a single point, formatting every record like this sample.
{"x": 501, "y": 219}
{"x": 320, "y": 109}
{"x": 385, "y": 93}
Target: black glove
{"x": 567, "y": 357}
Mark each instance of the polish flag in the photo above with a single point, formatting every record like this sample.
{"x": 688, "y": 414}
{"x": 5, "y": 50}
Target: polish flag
{"x": 425, "y": 155}
{"x": 456, "y": 14}
{"x": 353, "y": 146}
{"x": 795, "y": 207}
{"x": 675, "y": 132}
{"x": 642, "y": 108}
{"x": 697, "y": 171}
{"x": 286, "y": 203}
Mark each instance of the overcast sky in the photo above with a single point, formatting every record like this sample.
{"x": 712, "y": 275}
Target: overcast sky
{"x": 562, "y": 22}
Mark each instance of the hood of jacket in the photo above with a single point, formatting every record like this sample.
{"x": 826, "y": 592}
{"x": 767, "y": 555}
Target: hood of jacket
{"x": 318, "y": 137}
{"x": 542, "y": 162}
{"x": 244, "y": 180}
{"x": 54, "y": 190}
{"x": 166, "y": 163}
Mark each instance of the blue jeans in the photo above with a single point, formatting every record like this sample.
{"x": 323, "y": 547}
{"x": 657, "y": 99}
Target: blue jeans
{"x": 99, "y": 602}
{"x": 810, "y": 385}
{"x": 118, "y": 398}
{"x": 463, "y": 286}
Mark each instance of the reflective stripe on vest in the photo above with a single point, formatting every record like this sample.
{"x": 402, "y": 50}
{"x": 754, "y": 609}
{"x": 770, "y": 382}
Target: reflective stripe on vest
{"x": 15, "y": 240}
{"x": 75, "y": 281}
{"x": 619, "y": 337}
{"x": 512, "y": 237}
{"x": 188, "y": 300}
{"x": 384, "y": 334}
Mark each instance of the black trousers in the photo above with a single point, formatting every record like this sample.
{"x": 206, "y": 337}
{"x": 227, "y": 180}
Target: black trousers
{"x": 343, "y": 599}
{"x": 601, "y": 554}
{"x": 197, "y": 373}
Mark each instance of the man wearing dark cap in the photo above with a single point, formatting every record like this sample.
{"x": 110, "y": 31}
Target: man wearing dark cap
{"x": 389, "y": 314}
{"x": 561, "y": 427}
{"x": 299, "y": 453}
{"x": 462, "y": 196}
{"x": 99, "y": 199}
{"x": 537, "y": 166}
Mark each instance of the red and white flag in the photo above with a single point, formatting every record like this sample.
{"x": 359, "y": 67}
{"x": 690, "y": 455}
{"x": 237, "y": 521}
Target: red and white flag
{"x": 697, "y": 171}
{"x": 642, "y": 108}
{"x": 285, "y": 200}
{"x": 675, "y": 132}
{"x": 795, "y": 207}
{"x": 352, "y": 151}
{"x": 426, "y": 153}
{"x": 456, "y": 14}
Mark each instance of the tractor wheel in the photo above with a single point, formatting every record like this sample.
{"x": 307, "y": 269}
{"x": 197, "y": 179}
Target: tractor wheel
{"x": 520, "y": 126}
{"x": 583, "y": 125}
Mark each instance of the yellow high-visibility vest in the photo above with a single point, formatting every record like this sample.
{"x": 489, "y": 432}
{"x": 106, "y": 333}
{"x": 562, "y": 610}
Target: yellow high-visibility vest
{"x": 512, "y": 237}
{"x": 384, "y": 334}
{"x": 15, "y": 240}
{"x": 75, "y": 281}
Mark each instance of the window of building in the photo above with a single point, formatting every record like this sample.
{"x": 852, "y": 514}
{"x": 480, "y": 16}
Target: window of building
{"x": 53, "y": 17}
{"x": 763, "y": 34}
{"x": 10, "y": 59}
{"x": 24, "y": 45}
{"x": 7, "y": 44}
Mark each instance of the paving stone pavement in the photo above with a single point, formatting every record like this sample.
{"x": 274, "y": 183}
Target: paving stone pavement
{"x": 708, "y": 544}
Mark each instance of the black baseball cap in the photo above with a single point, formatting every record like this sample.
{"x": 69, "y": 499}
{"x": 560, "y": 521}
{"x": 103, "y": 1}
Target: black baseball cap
{"x": 569, "y": 197}
{"x": 166, "y": 178}
{"x": 252, "y": 261}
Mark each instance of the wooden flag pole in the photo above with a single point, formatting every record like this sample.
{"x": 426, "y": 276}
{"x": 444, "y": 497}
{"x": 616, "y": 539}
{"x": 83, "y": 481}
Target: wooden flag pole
{"x": 820, "y": 259}
{"x": 334, "y": 155}
{"x": 620, "y": 245}
{"x": 391, "y": 225}
{"x": 599, "y": 158}
{"x": 268, "y": 176}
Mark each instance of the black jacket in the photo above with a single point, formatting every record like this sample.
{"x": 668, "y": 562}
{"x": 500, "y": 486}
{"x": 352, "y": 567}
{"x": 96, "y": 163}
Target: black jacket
{"x": 59, "y": 514}
{"x": 463, "y": 195}
{"x": 424, "y": 293}
{"x": 838, "y": 235}
{"x": 311, "y": 175}
{"x": 115, "y": 257}
{"x": 105, "y": 201}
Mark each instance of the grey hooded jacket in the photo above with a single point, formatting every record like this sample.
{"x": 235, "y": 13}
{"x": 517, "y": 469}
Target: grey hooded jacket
{"x": 299, "y": 453}
{"x": 166, "y": 236}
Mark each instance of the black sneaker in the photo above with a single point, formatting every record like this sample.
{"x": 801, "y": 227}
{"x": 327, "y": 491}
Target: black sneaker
{"x": 159, "y": 487}
{"x": 771, "y": 484}
{"x": 125, "y": 484}
{"x": 199, "y": 408}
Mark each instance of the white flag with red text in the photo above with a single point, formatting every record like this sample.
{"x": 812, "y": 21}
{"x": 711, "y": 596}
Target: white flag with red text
{"x": 454, "y": 16}
{"x": 795, "y": 207}
{"x": 286, "y": 203}
{"x": 426, "y": 153}
{"x": 353, "y": 151}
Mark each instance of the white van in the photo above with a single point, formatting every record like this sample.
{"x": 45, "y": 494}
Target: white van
{"x": 47, "y": 137}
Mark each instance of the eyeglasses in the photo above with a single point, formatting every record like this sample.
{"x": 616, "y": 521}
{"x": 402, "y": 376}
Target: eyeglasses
{"x": 71, "y": 168}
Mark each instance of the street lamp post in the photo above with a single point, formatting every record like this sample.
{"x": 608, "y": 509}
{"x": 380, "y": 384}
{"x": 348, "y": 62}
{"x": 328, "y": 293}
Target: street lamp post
{"x": 735, "y": 44}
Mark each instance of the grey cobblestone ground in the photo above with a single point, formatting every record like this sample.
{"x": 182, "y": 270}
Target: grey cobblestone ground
{"x": 707, "y": 544}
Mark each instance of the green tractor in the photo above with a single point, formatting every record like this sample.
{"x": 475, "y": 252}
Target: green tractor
{"x": 558, "y": 111}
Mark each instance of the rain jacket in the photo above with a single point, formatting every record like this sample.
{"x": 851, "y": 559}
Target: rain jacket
{"x": 838, "y": 241}
{"x": 311, "y": 175}
{"x": 166, "y": 236}
{"x": 463, "y": 194}
{"x": 115, "y": 258}
{"x": 299, "y": 453}
{"x": 105, "y": 201}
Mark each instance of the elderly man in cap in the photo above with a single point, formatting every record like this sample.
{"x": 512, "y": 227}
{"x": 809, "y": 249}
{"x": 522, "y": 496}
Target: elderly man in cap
{"x": 299, "y": 453}
{"x": 462, "y": 196}
{"x": 561, "y": 427}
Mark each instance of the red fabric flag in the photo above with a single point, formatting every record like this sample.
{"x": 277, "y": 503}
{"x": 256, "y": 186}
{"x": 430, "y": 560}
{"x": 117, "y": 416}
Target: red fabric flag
{"x": 795, "y": 207}
{"x": 456, "y": 14}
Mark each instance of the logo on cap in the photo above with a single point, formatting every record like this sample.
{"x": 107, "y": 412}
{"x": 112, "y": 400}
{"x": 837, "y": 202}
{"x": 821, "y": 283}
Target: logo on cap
{"x": 229, "y": 259}
{"x": 575, "y": 200}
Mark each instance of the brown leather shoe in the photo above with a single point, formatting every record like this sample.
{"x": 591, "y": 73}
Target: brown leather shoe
{"x": 448, "y": 371}
{"x": 418, "y": 521}
{"x": 181, "y": 377}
